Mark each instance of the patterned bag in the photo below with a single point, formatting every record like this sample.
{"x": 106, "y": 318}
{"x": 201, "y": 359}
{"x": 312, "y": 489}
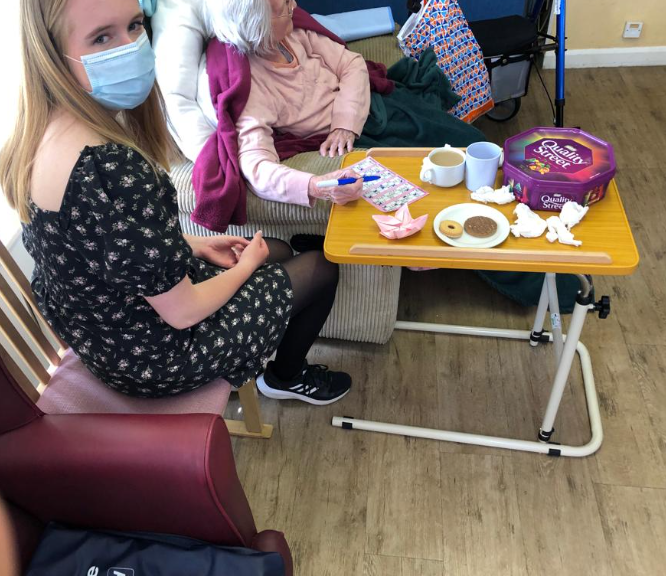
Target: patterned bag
{"x": 441, "y": 25}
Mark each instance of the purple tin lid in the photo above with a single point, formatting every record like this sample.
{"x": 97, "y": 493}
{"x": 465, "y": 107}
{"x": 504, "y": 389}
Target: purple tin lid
{"x": 558, "y": 157}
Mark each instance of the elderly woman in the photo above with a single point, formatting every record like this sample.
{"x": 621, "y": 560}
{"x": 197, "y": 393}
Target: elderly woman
{"x": 302, "y": 83}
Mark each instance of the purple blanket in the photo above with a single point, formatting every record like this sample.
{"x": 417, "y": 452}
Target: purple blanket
{"x": 221, "y": 192}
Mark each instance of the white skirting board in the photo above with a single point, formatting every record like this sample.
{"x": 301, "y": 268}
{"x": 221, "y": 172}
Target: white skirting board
{"x": 611, "y": 57}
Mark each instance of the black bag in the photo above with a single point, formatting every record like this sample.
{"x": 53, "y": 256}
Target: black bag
{"x": 66, "y": 552}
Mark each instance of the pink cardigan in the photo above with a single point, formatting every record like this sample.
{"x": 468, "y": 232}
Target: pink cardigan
{"x": 323, "y": 88}
{"x": 221, "y": 193}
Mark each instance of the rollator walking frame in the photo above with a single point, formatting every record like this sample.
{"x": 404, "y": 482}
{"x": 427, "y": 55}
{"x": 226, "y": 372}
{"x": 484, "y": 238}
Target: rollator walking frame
{"x": 512, "y": 40}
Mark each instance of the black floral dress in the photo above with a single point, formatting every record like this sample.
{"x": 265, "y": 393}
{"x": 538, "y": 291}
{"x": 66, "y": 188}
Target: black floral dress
{"x": 116, "y": 239}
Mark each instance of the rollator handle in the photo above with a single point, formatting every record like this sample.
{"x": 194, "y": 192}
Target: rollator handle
{"x": 603, "y": 306}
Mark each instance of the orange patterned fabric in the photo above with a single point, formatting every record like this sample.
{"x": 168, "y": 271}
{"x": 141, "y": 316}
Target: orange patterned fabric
{"x": 442, "y": 26}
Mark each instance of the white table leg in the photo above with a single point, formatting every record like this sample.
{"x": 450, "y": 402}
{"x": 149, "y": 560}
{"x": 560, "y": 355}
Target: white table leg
{"x": 565, "y": 359}
{"x": 542, "y": 308}
{"x": 571, "y": 345}
{"x": 555, "y": 318}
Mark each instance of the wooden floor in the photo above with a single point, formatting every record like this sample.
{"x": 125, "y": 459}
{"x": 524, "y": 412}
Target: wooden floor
{"x": 358, "y": 503}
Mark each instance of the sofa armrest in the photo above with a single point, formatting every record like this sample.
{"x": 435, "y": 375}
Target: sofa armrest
{"x": 264, "y": 213}
{"x": 155, "y": 473}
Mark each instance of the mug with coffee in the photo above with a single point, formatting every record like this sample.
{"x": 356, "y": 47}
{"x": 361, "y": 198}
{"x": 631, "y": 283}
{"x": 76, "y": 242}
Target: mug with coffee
{"x": 444, "y": 167}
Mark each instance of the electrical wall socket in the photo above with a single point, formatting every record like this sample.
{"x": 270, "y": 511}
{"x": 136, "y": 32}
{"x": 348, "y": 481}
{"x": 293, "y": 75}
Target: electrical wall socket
{"x": 632, "y": 30}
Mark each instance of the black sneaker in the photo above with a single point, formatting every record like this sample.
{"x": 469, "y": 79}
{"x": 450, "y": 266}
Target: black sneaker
{"x": 315, "y": 385}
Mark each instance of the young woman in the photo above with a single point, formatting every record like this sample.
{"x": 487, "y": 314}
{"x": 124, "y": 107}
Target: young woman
{"x": 149, "y": 311}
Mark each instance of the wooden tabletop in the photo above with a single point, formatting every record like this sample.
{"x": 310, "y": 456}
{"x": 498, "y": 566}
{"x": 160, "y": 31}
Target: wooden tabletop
{"x": 352, "y": 236}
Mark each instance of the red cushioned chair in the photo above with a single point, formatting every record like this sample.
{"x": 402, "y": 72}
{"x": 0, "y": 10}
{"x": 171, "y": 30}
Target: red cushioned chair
{"x": 157, "y": 473}
{"x": 74, "y": 451}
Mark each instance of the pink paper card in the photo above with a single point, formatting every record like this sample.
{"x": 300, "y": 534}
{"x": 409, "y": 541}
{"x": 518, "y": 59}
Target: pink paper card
{"x": 391, "y": 191}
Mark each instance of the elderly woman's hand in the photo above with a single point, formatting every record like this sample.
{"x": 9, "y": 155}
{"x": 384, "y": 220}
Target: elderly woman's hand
{"x": 338, "y": 142}
{"x": 337, "y": 194}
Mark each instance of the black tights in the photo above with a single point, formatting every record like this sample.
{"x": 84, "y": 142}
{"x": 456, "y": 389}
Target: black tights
{"x": 314, "y": 281}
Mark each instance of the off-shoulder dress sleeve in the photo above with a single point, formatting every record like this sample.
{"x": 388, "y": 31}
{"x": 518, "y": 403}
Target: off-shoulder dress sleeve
{"x": 124, "y": 219}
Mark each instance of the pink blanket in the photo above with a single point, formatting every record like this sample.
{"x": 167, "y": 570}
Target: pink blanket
{"x": 221, "y": 192}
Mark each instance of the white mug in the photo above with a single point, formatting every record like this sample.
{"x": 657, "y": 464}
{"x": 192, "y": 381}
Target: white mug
{"x": 441, "y": 168}
{"x": 483, "y": 161}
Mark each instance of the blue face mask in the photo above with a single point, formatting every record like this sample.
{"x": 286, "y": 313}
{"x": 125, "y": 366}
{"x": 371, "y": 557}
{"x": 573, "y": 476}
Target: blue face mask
{"x": 121, "y": 78}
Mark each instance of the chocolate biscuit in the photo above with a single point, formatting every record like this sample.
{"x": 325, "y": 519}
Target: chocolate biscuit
{"x": 480, "y": 226}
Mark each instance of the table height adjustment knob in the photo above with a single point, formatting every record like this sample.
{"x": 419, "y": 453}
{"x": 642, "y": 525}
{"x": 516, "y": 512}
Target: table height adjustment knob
{"x": 603, "y": 306}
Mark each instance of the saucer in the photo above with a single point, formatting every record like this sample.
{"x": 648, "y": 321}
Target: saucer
{"x": 461, "y": 212}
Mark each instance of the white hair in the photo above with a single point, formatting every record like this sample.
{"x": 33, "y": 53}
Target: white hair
{"x": 245, "y": 24}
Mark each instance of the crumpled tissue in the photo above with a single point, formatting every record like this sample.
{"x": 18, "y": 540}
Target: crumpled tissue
{"x": 572, "y": 213}
{"x": 400, "y": 225}
{"x": 559, "y": 227}
{"x": 531, "y": 225}
{"x": 557, "y": 230}
{"x": 486, "y": 194}
{"x": 528, "y": 224}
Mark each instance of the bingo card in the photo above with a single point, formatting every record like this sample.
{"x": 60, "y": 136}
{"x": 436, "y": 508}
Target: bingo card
{"x": 391, "y": 191}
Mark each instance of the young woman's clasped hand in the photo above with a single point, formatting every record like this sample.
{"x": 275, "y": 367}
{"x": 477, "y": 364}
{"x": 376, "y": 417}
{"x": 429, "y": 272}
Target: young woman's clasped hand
{"x": 227, "y": 251}
{"x": 222, "y": 251}
{"x": 255, "y": 253}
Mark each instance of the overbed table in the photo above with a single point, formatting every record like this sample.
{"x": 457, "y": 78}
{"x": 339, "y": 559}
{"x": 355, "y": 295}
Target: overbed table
{"x": 352, "y": 237}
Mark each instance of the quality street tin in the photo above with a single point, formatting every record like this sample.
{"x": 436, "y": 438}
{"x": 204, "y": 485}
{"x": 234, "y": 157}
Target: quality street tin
{"x": 546, "y": 167}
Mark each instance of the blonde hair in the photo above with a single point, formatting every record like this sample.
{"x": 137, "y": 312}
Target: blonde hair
{"x": 48, "y": 84}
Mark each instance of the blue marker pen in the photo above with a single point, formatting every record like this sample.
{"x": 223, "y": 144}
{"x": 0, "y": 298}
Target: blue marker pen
{"x": 343, "y": 181}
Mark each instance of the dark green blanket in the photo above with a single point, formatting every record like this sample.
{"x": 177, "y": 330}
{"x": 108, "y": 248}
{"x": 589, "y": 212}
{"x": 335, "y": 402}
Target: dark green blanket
{"x": 525, "y": 287}
{"x": 415, "y": 114}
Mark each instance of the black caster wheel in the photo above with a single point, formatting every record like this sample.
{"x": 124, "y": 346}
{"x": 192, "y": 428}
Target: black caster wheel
{"x": 505, "y": 111}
